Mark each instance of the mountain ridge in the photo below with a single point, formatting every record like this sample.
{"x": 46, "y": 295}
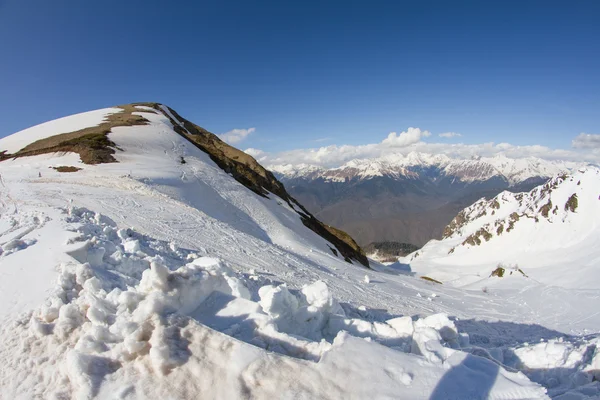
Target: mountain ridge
{"x": 408, "y": 199}
{"x": 417, "y": 165}
{"x": 94, "y": 147}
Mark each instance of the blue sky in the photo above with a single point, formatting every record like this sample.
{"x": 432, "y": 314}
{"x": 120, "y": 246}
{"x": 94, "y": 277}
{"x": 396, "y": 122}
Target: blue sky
{"x": 312, "y": 73}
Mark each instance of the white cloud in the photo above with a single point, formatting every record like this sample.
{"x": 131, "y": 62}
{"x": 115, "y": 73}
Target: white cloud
{"x": 411, "y": 136}
{"x": 258, "y": 154}
{"x": 449, "y": 135}
{"x": 325, "y": 139}
{"x": 411, "y": 140}
{"x": 586, "y": 141}
{"x": 254, "y": 152}
{"x": 236, "y": 135}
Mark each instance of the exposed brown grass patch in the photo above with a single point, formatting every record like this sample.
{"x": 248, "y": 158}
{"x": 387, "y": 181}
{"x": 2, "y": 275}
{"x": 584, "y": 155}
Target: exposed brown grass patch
{"x": 545, "y": 209}
{"x": 500, "y": 230}
{"x": 92, "y": 143}
{"x": 458, "y": 222}
{"x": 514, "y": 217}
{"x": 64, "y": 168}
{"x": 431, "y": 280}
{"x": 572, "y": 203}
{"x": 475, "y": 238}
{"x": 522, "y": 273}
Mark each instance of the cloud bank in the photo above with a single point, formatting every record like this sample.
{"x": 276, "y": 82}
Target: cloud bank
{"x": 586, "y": 141}
{"x": 236, "y": 135}
{"x": 586, "y": 147}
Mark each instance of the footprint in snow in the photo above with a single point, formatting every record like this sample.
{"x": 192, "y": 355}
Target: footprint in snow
{"x": 15, "y": 245}
{"x": 398, "y": 374}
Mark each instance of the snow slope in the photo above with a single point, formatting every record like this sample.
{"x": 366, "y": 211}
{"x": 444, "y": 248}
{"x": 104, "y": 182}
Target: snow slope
{"x": 153, "y": 278}
{"x": 552, "y": 234}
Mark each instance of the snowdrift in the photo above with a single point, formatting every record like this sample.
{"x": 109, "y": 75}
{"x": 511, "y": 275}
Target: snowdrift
{"x": 131, "y": 316}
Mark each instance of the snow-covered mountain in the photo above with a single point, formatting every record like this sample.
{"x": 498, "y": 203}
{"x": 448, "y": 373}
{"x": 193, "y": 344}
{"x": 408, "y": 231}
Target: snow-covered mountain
{"x": 550, "y": 234}
{"x": 431, "y": 166}
{"x": 94, "y": 147}
{"x": 143, "y": 258}
{"x": 408, "y": 199}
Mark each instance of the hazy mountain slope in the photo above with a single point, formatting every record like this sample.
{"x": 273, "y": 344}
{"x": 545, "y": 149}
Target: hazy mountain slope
{"x": 165, "y": 277}
{"x": 393, "y": 209}
{"x": 408, "y": 198}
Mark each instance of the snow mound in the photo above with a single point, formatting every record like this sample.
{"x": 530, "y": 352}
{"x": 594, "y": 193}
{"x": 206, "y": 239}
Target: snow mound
{"x": 120, "y": 310}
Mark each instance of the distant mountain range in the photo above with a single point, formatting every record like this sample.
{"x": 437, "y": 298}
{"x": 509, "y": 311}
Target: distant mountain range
{"x": 408, "y": 199}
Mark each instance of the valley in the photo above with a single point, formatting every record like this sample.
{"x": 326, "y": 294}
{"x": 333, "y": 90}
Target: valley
{"x": 408, "y": 199}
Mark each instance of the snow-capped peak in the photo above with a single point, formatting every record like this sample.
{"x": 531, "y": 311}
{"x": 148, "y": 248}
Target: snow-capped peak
{"x": 513, "y": 171}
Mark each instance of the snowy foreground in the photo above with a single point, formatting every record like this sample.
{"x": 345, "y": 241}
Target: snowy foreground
{"x": 150, "y": 278}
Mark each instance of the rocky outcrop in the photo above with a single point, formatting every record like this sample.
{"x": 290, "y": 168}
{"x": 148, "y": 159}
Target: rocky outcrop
{"x": 487, "y": 219}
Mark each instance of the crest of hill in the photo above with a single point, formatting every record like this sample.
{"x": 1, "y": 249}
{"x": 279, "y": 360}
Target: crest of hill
{"x": 94, "y": 147}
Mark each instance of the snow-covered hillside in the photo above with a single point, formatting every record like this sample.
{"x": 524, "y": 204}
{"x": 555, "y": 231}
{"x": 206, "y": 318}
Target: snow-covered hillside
{"x": 551, "y": 234}
{"x": 419, "y": 166}
{"x": 160, "y": 275}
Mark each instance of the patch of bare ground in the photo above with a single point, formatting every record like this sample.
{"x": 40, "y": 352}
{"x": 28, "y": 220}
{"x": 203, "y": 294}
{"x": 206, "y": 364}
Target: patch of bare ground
{"x": 92, "y": 143}
{"x": 64, "y": 168}
{"x": 431, "y": 280}
{"x": 458, "y": 222}
{"x": 572, "y": 203}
